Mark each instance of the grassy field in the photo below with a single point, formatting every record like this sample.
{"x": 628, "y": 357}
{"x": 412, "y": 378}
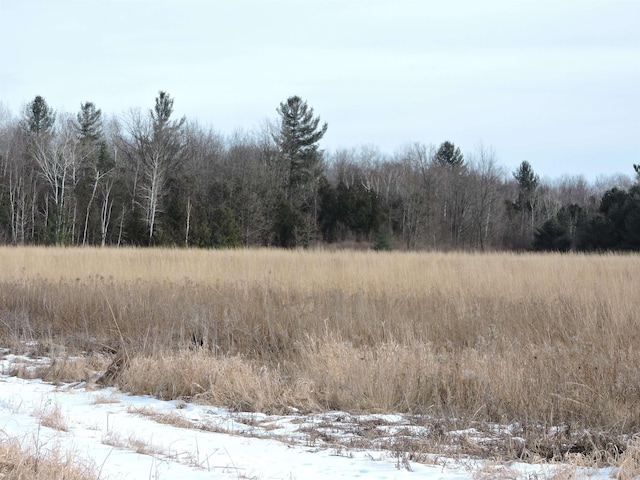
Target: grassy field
{"x": 20, "y": 460}
{"x": 537, "y": 341}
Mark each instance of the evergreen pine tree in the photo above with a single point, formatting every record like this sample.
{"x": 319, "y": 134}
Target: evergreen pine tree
{"x": 296, "y": 215}
{"x": 88, "y": 122}
{"x": 39, "y": 118}
{"x": 525, "y": 204}
{"x": 298, "y": 140}
{"x": 448, "y": 155}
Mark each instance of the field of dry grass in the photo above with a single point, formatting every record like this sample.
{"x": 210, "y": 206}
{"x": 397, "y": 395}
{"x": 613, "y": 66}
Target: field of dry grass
{"x": 24, "y": 459}
{"x": 536, "y": 341}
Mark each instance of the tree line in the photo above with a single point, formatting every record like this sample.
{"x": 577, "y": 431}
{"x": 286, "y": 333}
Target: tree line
{"x": 148, "y": 178}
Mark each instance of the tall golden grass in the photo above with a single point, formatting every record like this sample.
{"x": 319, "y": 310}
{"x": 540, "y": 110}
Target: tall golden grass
{"x": 536, "y": 339}
{"x": 25, "y": 459}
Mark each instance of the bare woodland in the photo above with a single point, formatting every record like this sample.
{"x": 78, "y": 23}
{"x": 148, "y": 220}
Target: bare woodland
{"x": 149, "y": 178}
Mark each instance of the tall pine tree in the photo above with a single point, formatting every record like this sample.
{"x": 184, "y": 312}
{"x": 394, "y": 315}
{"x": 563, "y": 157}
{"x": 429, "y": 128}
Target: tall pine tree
{"x": 525, "y": 204}
{"x": 448, "y": 155}
{"x": 298, "y": 140}
{"x": 88, "y": 122}
{"x": 39, "y": 118}
{"x": 296, "y": 214}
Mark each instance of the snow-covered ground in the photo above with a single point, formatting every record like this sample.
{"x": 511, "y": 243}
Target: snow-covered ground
{"x": 139, "y": 437}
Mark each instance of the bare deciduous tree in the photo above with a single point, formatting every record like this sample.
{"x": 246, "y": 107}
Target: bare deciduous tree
{"x": 157, "y": 146}
{"x": 487, "y": 177}
{"x": 59, "y": 158}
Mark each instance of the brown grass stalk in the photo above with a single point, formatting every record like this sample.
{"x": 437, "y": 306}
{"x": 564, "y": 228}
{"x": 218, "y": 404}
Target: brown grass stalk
{"x": 535, "y": 339}
{"x": 24, "y": 460}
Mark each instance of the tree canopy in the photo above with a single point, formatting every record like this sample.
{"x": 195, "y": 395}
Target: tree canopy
{"x": 150, "y": 178}
{"x": 88, "y": 122}
{"x": 448, "y": 155}
{"x": 297, "y": 139}
{"x": 39, "y": 117}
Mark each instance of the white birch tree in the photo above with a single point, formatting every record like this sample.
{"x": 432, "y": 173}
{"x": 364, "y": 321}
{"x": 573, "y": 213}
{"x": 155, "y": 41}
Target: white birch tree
{"x": 158, "y": 144}
{"x": 59, "y": 160}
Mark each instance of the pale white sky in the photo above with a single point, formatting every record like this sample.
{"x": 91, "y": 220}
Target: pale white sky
{"x": 554, "y": 82}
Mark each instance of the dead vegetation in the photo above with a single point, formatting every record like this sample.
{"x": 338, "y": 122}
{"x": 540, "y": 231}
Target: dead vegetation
{"x": 540, "y": 341}
{"x": 22, "y": 459}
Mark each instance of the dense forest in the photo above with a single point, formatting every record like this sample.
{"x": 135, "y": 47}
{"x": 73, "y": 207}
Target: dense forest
{"x": 148, "y": 178}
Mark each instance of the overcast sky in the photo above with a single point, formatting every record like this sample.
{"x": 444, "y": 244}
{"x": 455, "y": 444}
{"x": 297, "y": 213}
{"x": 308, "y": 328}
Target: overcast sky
{"x": 554, "y": 82}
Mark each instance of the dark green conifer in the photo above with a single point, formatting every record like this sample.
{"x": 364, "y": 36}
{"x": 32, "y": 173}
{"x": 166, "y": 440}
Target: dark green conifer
{"x": 39, "y": 117}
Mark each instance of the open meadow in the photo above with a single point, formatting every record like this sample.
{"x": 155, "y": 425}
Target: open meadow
{"x": 546, "y": 344}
